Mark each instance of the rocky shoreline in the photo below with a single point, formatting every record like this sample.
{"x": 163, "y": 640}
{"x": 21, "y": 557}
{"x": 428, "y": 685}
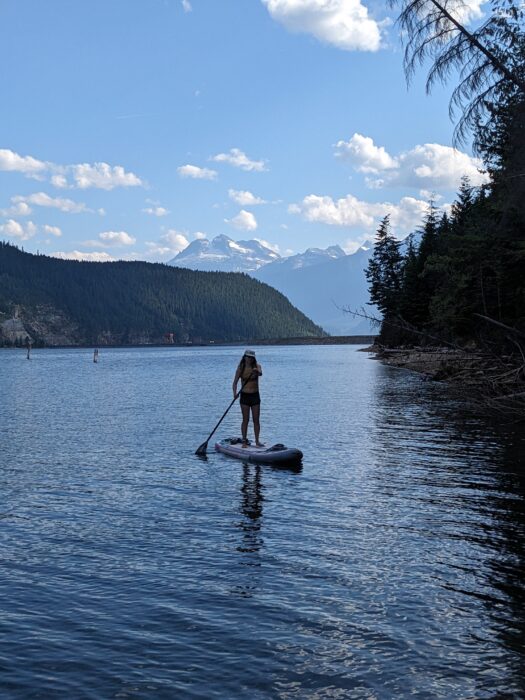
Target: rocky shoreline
{"x": 495, "y": 384}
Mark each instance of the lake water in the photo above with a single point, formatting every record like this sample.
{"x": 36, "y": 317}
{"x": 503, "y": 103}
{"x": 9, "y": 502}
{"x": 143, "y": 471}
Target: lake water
{"x": 391, "y": 566}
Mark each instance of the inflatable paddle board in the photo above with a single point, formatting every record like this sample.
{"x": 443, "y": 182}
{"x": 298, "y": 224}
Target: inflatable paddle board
{"x": 276, "y": 454}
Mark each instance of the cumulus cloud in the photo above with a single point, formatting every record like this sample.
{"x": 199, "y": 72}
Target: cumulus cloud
{"x": 434, "y": 166}
{"x": 239, "y": 159}
{"x": 197, "y": 173}
{"x": 82, "y": 175}
{"x": 116, "y": 238}
{"x": 41, "y": 199}
{"x": 352, "y": 212}
{"x": 12, "y": 162}
{"x": 52, "y": 230}
{"x": 186, "y": 5}
{"x": 156, "y": 211}
{"x": 364, "y": 155}
{"x": 86, "y": 257}
{"x": 344, "y": 24}
{"x": 244, "y": 198}
{"x": 102, "y": 176}
{"x": 426, "y": 167}
{"x": 19, "y": 209}
{"x": 60, "y": 181}
{"x": 14, "y": 229}
{"x": 245, "y": 221}
{"x": 466, "y": 11}
{"x": 199, "y": 235}
{"x": 170, "y": 243}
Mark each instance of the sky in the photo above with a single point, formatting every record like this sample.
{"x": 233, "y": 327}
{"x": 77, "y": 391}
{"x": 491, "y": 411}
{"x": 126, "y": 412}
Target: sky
{"x": 129, "y": 128}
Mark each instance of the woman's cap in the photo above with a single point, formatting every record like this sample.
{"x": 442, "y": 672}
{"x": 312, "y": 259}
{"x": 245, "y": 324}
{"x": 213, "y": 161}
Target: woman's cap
{"x": 249, "y": 353}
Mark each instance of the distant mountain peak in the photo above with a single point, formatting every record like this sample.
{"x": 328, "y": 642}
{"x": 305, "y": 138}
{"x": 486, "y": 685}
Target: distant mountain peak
{"x": 223, "y": 254}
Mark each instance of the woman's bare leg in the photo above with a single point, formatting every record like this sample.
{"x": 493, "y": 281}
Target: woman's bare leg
{"x": 256, "y": 412}
{"x": 245, "y": 418}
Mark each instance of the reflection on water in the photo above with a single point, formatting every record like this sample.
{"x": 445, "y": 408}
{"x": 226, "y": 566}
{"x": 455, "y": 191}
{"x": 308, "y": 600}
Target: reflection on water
{"x": 391, "y": 566}
{"x": 251, "y": 508}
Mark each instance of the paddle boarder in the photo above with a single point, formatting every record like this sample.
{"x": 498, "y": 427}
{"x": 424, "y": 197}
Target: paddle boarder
{"x": 249, "y": 372}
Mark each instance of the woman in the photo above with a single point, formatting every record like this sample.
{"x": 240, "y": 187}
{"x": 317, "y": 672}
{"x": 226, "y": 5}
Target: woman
{"x": 249, "y": 372}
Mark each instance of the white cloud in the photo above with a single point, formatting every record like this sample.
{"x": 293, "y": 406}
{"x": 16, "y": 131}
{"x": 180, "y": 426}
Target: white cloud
{"x": 186, "y": 5}
{"x": 426, "y": 167}
{"x": 430, "y": 195}
{"x": 89, "y": 257}
{"x": 364, "y": 155}
{"x": 156, "y": 211}
{"x": 52, "y": 230}
{"x": 111, "y": 239}
{"x": 15, "y": 229}
{"x": 435, "y": 166}
{"x": 115, "y": 238}
{"x": 11, "y": 161}
{"x": 244, "y": 198}
{"x": 344, "y": 24}
{"x": 170, "y": 243}
{"x": 352, "y": 212}
{"x": 197, "y": 173}
{"x": 199, "y": 235}
{"x": 84, "y": 175}
{"x": 19, "y": 209}
{"x": 176, "y": 240}
{"x": 466, "y": 11}
{"x": 60, "y": 181}
{"x": 102, "y": 176}
{"x": 239, "y": 159}
{"x": 41, "y": 199}
{"x": 245, "y": 221}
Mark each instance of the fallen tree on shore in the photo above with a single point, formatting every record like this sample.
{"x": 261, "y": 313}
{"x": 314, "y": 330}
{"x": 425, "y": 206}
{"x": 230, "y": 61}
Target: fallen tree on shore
{"x": 494, "y": 381}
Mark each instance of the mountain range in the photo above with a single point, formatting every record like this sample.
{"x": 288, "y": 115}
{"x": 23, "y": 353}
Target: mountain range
{"x": 319, "y": 282}
{"x": 222, "y": 254}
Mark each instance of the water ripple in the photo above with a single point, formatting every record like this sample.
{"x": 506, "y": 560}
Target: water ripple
{"x": 390, "y": 566}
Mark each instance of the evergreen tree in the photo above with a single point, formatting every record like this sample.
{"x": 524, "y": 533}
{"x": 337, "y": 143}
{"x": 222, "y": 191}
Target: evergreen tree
{"x": 384, "y": 271}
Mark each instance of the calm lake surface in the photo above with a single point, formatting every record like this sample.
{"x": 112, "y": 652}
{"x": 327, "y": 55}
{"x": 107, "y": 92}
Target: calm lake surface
{"x": 391, "y": 566}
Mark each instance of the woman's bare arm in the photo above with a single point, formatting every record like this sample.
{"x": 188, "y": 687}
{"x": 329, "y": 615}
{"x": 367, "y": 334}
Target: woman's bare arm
{"x": 235, "y": 381}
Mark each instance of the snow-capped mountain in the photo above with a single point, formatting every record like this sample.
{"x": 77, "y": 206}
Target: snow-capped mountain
{"x": 322, "y": 290}
{"x": 224, "y": 255}
{"x": 310, "y": 257}
{"x": 319, "y": 282}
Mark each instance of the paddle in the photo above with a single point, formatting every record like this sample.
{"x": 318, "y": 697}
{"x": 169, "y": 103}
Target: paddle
{"x": 201, "y": 450}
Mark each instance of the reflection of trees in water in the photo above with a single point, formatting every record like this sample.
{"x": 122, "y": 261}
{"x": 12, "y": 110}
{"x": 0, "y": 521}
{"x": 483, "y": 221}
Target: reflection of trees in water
{"x": 505, "y": 569}
{"x": 473, "y": 469}
{"x": 251, "y": 508}
{"x": 250, "y": 526}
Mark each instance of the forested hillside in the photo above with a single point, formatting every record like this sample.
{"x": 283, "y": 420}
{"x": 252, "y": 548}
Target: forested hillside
{"x": 463, "y": 284}
{"x": 466, "y": 277}
{"x": 131, "y": 302}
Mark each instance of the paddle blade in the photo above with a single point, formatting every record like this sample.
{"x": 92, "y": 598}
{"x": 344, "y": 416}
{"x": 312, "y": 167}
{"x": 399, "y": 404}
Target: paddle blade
{"x": 201, "y": 450}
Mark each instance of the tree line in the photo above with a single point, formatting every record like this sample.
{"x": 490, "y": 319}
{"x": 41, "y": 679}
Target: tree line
{"x": 128, "y": 302}
{"x": 460, "y": 276}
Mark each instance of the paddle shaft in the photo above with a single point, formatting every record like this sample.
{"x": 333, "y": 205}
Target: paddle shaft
{"x": 205, "y": 444}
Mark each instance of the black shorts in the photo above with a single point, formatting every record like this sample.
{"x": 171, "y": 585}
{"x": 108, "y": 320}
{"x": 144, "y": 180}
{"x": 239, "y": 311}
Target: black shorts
{"x": 252, "y": 399}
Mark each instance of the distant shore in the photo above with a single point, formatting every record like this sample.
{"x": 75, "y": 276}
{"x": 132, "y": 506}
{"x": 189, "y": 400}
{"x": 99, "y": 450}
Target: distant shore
{"x": 326, "y": 340}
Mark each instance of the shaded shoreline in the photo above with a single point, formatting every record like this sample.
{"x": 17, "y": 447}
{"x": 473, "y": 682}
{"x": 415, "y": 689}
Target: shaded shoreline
{"x": 495, "y": 385}
{"x": 324, "y": 340}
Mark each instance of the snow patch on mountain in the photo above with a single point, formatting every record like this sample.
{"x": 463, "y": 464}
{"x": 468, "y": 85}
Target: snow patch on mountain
{"x": 222, "y": 254}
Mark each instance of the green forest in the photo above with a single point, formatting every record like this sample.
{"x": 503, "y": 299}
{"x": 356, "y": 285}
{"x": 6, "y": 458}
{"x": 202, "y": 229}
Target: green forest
{"x": 460, "y": 280}
{"x": 130, "y": 302}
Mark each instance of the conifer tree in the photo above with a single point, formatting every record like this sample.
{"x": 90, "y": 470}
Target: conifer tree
{"x": 384, "y": 271}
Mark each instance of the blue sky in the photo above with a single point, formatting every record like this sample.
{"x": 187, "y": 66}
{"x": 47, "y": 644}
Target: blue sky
{"x": 130, "y": 127}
